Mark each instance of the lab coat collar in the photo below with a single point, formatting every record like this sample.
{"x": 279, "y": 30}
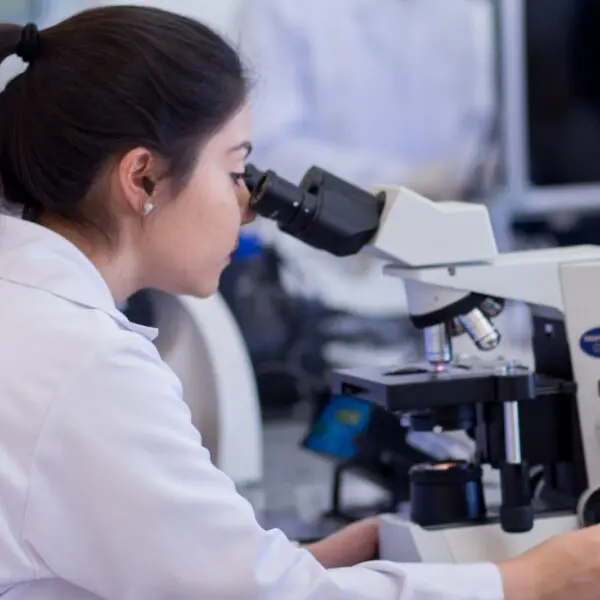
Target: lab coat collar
{"x": 37, "y": 257}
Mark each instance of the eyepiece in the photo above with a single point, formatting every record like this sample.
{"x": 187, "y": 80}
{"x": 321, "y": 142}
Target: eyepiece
{"x": 252, "y": 177}
{"x": 275, "y": 198}
{"x": 324, "y": 211}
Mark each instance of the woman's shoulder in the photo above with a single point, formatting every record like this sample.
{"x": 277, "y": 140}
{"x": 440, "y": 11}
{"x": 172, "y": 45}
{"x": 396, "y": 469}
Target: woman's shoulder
{"x": 54, "y": 341}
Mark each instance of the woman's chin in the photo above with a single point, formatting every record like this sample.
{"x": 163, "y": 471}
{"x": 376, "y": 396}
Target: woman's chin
{"x": 206, "y": 287}
{"x": 201, "y": 287}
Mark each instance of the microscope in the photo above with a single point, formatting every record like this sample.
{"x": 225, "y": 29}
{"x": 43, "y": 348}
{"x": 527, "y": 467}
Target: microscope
{"x": 539, "y": 428}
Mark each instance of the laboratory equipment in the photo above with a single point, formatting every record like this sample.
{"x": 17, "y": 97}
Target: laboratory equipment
{"x": 539, "y": 428}
{"x": 365, "y": 439}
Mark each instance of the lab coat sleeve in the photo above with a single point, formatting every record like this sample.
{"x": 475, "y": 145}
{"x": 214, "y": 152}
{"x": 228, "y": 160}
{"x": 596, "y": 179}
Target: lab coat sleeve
{"x": 125, "y": 503}
{"x": 276, "y": 44}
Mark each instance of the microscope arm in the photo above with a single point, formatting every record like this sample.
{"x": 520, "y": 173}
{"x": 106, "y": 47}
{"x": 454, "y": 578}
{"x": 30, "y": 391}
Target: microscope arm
{"x": 532, "y": 276}
{"x": 444, "y": 250}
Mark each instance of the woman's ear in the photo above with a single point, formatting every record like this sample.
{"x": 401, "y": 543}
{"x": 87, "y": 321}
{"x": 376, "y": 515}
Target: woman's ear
{"x": 149, "y": 185}
{"x": 136, "y": 177}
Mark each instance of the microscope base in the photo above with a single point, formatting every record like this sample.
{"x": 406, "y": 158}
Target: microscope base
{"x": 403, "y": 541}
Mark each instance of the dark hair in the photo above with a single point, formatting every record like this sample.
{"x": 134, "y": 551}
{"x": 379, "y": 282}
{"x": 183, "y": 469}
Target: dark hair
{"x": 101, "y": 83}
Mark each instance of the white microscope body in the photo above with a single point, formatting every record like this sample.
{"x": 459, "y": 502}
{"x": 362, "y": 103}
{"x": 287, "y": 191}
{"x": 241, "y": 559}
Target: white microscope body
{"x": 444, "y": 252}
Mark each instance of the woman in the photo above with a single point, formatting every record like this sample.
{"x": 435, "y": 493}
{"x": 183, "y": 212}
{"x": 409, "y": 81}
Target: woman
{"x": 123, "y": 146}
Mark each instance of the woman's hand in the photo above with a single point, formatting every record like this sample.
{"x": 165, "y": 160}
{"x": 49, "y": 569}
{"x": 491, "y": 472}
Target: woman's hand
{"x": 565, "y": 567}
{"x": 355, "y": 543}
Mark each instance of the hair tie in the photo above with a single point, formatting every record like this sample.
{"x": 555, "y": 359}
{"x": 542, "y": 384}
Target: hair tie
{"x": 29, "y": 44}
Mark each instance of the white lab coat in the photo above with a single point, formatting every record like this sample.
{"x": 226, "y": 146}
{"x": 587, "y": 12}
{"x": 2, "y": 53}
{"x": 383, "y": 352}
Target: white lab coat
{"x": 105, "y": 488}
{"x": 377, "y": 92}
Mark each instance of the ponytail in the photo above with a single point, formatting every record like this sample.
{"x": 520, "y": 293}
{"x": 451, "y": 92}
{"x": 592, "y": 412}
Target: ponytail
{"x": 10, "y": 39}
{"x": 101, "y": 83}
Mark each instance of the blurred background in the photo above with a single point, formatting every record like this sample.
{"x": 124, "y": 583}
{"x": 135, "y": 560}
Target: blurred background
{"x": 496, "y": 102}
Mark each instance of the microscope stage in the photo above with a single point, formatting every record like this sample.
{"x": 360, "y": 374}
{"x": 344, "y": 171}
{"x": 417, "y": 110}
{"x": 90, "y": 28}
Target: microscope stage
{"x": 423, "y": 385}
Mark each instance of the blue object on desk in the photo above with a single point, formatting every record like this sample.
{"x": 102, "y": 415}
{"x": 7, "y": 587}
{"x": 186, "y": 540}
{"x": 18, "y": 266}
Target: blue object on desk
{"x": 249, "y": 246}
{"x": 337, "y": 429}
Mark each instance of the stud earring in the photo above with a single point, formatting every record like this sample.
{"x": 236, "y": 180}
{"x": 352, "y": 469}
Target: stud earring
{"x": 147, "y": 208}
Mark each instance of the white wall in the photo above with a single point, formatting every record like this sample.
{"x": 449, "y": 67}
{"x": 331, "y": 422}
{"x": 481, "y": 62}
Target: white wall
{"x": 220, "y": 14}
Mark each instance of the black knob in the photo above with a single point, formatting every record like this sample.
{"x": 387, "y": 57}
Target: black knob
{"x": 447, "y": 492}
{"x": 589, "y": 508}
{"x": 516, "y": 519}
{"x": 516, "y": 511}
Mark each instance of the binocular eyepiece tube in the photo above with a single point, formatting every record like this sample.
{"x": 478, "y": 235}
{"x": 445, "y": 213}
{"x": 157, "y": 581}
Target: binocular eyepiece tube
{"x": 323, "y": 211}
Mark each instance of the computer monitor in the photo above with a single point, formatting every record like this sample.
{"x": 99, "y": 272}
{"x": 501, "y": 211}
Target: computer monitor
{"x": 550, "y": 98}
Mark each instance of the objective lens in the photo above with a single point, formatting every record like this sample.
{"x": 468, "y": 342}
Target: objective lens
{"x": 480, "y": 329}
{"x": 438, "y": 350}
{"x": 492, "y": 307}
{"x": 456, "y": 328}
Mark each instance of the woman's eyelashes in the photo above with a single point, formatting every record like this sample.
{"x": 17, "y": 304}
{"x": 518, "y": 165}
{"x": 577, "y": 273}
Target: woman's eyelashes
{"x": 237, "y": 178}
